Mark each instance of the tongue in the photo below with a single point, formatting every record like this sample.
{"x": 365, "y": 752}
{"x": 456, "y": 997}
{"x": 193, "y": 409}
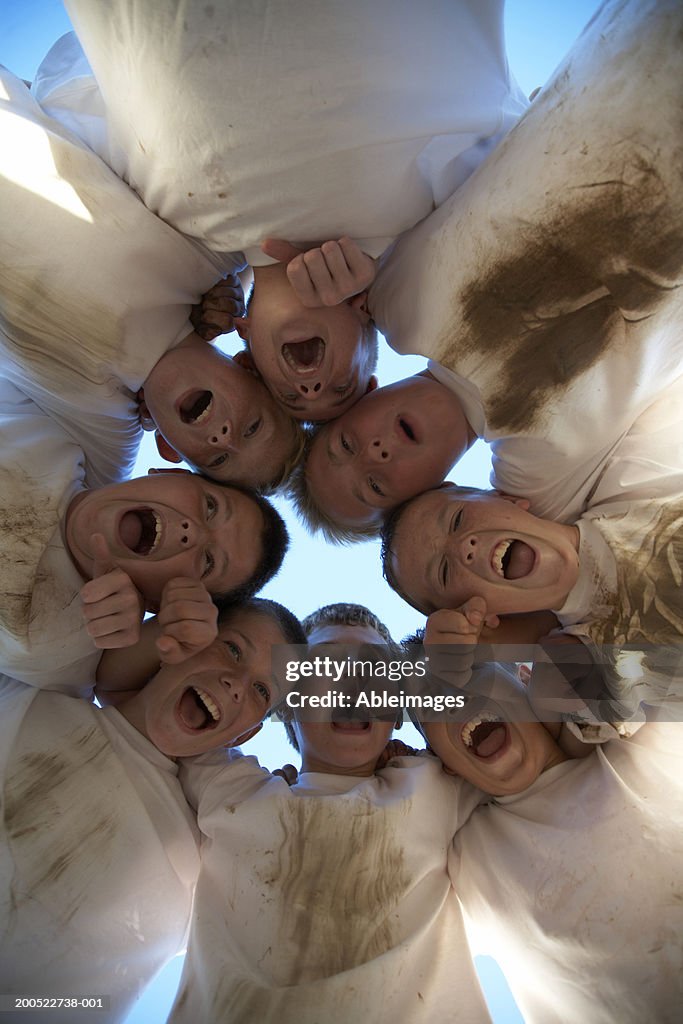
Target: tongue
{"x": 520, "y": 560}
{"x": 191, "y": 714}
{"x": 488, "y": 738}
{"x": 130, "y": 530}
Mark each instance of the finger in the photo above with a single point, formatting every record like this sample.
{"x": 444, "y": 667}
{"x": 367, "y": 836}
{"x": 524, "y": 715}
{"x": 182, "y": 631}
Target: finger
{"x": 299, "y": 277}
{"x": 103, "y": 561}
{"x": 280, "y": 250}
{"x": 97, "y": 590}
{"x": 197, "y": 635}
{"x": 110, "y": 625}
{"x": 361, "y": 266}
{"x": 117, "y": 603}
{"x": 170, "y": 651}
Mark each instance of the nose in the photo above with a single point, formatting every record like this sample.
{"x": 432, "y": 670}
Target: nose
{"x": 310, "y": 390}
{"x": 189, "y": 533}
{"x": 378, "y": 451}
{"x": 221, "y": 435}
{"x": 468, "y": 549}
{"x": 236, "y": 687}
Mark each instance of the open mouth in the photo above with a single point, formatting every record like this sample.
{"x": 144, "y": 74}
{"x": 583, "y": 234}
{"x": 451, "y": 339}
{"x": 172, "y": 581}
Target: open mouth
{"x": 196, "y": 406}
{"x": 197, "y": 711}
{"x": 140, "y": 531}
{"x": 350, "y": 726}
{"x": 485, "y": 734}
{"x": 512, "y": 559}
{"x": 304, "y": 355}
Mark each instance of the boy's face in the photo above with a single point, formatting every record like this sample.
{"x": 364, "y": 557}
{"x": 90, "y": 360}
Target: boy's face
{"x": 394, "y": 443}
{"x": 345, "y": 746}
{"x": 219, "y": 415}
{"x": 501, "y": 757}
{"x": 316, "y": 362}
{"x": 216, "y": 697}
{"x": 449, "y": 547}
{"x": 173, "y": 524}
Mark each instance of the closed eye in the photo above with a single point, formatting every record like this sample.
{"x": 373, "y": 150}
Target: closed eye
{"x": 443, "y": 572}
{"x": 208, "y": 564}
{"x": 456, "y": 520}
{"x": 253, "y": 428}
{"x": 344, "y": 389}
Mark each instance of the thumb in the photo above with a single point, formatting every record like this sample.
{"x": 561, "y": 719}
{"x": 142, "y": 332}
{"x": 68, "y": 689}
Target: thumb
{"x": 280, "y": 250}
{"x": 102, "y": 560}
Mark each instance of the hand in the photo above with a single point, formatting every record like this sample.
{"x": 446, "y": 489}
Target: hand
{"x": 325, "y": 276}
{"x": 216, "y": 313}
{"x": 394, "y": 748}
{"x": 288, "y": 772}
{"x": 187, "y": 619}
{"x": 450, "y": 640}
{"x": 113, "y": 608}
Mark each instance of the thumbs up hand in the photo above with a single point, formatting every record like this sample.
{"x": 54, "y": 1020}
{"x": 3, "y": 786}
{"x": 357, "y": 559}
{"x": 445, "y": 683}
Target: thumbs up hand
{"x": 113, "y": 608}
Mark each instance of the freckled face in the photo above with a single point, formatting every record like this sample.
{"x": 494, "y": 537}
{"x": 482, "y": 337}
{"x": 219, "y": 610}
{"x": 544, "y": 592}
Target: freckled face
{"x": 212, "y": 699}
{"x": 448, "y": 548}
{"x": 174, "y": 524}
{"x": 315, "y": 362}
{"x": 393, "y": 444}
{"x": 219, "y": 416}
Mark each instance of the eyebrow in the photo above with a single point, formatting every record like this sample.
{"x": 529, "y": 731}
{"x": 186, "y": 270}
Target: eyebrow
{"x": 245, "y": 639}
{"x": 434, "y": 565}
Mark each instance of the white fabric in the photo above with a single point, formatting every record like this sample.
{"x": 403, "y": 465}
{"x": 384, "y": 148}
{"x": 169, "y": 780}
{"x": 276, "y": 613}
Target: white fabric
{"x": 304, "y": 120}
{"x": 93, "y": 287}
{"x": 576, "y": 885}
{"x": 42, "y": 632}
{"x": 551, "y": 281}
{"x": 98, "y": 854}
{"x": 329, "y": 901}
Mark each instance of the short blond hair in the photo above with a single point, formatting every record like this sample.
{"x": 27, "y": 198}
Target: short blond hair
{"x": 309, "y": 511}
{"x": 280, "y": 484}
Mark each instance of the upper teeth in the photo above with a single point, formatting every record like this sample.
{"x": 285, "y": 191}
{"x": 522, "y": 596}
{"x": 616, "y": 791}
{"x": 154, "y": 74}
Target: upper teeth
{"x": 203, "y": 415}
{"x": 208, "y": 703}
{"x": 469, "y": 727}
{"x": 157, "y": 531}
{"x": 499, "y": 553}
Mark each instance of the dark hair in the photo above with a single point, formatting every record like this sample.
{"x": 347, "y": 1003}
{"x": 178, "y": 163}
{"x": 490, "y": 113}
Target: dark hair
{"x": 274, "y": 542}
{"x": 345, "y": 614}
{"x": 292, "y": 629}
{"x": 387, "y": 538}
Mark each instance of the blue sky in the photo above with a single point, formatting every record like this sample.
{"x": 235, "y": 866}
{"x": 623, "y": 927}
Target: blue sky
{"x": 539, "y": 33}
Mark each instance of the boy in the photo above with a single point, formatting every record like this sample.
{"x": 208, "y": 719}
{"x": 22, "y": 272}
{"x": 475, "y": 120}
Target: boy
{"x": 552, "y": 869}
{"x": 337, "y": 906}
{"x": 305, "y": 129}
{"x": 612, "y": 579}
{"x": 98, "y": 848}
{"x": 135, "y": 536}
{"x": 81, "y": 334}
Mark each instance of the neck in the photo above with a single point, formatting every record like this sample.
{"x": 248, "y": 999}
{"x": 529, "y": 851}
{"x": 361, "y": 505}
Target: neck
{"x": 312, "y": 764}
{"x": 456, "y": 405}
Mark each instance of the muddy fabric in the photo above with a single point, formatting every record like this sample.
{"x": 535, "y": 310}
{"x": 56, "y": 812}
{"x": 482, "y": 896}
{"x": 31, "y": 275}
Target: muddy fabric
{"x": 576, "y": 884}
{"x": 93, "y": 288}
{"x": 551, "y": 281}
{"x": 98, "y": 854}
{"x": 304, "y": 120}
{"x": 329, "y": 901}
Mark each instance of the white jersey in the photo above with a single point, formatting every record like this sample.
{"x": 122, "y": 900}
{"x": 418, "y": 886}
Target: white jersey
{"x": 236, "y": 122}
{"x": 98, "y": 855}
{"x": 329, "y": 901}
{"x": 576, "y": 885}
{"x": 93, "y": 287}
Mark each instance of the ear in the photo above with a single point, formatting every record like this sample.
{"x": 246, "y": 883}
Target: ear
{"x": 248, "y": 735}
{"x": 242, "y": 325}
{"x": 166, "y": 450}
{"x": 522, "y": 503}
{"x": 373, "y": 384}
{"x": 146, "y": 421}
{"x": 245, "y": 359}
